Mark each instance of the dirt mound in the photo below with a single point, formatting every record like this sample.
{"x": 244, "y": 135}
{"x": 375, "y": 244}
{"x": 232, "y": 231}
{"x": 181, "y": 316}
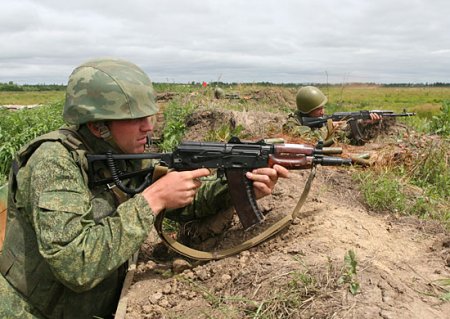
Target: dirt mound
{"x": 274, "y": 96}
{"x": 255, "y": 124}
{"x": 337, "y": 260}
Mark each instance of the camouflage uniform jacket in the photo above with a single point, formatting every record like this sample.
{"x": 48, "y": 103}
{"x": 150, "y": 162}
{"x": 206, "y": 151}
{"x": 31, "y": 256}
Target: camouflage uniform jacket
{"x": 67, "y": 245}
{"x": 294, "y": 127}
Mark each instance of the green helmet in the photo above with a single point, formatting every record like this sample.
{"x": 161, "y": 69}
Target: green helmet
{"x": 219, "y": 93}
{"x": 108, "y": 89}
{"x": 310, "y": 98}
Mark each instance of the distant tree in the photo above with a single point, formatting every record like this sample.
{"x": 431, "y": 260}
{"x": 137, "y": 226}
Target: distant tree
{"x": 10, "y": 86}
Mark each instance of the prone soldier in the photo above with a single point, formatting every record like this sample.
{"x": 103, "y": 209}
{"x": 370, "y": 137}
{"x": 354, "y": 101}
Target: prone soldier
{"x": 311, "y": 102}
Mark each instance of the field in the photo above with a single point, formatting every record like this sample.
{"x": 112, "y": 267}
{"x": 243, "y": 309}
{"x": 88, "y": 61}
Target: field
{"x": 371, "y": 241}
{"x": 30, "y": 98}
{"x": 425, "y": 100}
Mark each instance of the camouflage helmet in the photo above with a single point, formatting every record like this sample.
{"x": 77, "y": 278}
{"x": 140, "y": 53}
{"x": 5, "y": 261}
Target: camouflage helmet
{"x": 310, "y": 98}
{"x": 108, "y": 89}
{"x": 219, "y": 93}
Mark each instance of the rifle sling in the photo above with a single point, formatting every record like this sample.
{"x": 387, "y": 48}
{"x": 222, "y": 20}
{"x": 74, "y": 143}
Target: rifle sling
{"x": 269, "y": 232}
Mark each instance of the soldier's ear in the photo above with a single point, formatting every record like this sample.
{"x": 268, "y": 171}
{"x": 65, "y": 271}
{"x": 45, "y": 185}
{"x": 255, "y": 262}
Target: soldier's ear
{"x": 99, "y": 129}
{"x": 94, "y": 128}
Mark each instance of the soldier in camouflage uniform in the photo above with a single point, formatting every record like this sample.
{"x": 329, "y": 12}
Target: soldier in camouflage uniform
{"x": 67, "y": 244}
{"x": 311, "y": 103}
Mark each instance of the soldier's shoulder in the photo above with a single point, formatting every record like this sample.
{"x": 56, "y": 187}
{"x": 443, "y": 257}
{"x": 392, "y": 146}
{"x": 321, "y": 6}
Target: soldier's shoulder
{"x": 51, "y": 147}
{"x": 50, "y": 151}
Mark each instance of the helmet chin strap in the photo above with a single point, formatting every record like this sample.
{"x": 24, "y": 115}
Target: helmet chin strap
{"x": 105, "y": 133}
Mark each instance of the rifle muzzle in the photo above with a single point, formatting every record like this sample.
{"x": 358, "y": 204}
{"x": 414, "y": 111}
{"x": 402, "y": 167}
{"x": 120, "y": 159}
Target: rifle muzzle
{"x": 332, "y": 161}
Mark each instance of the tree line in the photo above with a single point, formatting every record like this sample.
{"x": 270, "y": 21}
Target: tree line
{"x": 14, "y": 87}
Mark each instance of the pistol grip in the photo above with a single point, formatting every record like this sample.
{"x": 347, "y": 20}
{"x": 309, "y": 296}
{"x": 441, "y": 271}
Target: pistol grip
{"x": 243, "y": 197}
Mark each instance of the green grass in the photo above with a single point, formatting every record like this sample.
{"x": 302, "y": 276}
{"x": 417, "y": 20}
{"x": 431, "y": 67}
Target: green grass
{"x": 413, "y": 99}
{"x": 31, "y": 98}
{"x": 382, "y": 191}
{"x": 418, "y": 186}
{"x": 19, "y": 127}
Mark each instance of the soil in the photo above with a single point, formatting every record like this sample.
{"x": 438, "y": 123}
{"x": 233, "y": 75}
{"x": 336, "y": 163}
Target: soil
{"x": 305, "y": 271}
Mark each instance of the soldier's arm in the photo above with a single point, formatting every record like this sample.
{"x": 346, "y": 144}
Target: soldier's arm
{"x": 80, "y": 252}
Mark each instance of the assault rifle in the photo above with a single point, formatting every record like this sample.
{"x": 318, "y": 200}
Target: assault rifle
{"x": 352, "y": 119}
{"x": 232, "y": 159}
{"x": 316, "y": 122}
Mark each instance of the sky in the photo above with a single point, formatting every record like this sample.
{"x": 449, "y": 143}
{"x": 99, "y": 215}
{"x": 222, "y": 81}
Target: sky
{"x": 278, "y": 41}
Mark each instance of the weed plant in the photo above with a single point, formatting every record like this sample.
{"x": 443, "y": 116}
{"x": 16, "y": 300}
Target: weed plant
{"x": 174, "y": 128}
{"x": 349, "y": 273}
{"x": 224, "y": 133}
{"x": 440, "y": 123}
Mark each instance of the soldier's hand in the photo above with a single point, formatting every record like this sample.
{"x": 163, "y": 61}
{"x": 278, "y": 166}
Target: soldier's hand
{"x": 174, "y": 190}
{"x": 375, "y": 117}
{"x": 264, "y": 179}
{"x": 339, "y": 124}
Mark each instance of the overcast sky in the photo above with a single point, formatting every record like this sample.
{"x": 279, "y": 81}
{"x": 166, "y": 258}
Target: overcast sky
{"x": 334, "y": 41}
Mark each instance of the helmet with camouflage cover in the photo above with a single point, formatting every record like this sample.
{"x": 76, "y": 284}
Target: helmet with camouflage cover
{"x": 108, "y": 89}
{"x": 219, "y": 93}
{"x": 310, "y": 98}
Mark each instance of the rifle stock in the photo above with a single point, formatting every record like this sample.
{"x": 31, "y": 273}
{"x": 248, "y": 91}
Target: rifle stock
{"x": 232, "y": 159}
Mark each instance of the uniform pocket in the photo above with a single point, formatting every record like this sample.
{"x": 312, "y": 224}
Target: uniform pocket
{"x": 64, "y": 201}
{"x": 61, "y": 217}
